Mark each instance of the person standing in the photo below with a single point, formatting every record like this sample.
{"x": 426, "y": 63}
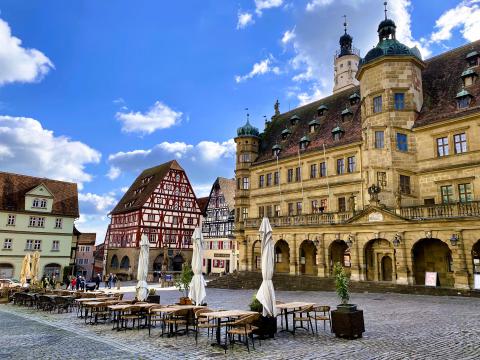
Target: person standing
{"x": 110, "y": 281}
{"x": 97, "y": 282}
{"x": 73, "y": 283}
{"x": 115, "y": 279}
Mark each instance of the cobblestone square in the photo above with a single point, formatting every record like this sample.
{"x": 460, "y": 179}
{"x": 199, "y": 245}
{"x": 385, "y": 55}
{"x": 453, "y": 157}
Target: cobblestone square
{"x": 397, "y": 327}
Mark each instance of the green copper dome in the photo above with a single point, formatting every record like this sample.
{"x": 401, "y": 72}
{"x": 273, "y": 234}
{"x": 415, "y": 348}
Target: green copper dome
{"x": 305, "y": 139}
{"x": 248, "y": 130}
{"x": 347, "y": 111}
{"x": 337, "y": 129}
{"x": 463, "y": 93}
{"x": 287, "y": 131}
{"x": 313, "y": 122}
{"x": 469, "y": 72}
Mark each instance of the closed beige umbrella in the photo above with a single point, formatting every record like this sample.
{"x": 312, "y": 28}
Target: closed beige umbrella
{"x": 35, "y": 266}
{"x": 25, "y": 273}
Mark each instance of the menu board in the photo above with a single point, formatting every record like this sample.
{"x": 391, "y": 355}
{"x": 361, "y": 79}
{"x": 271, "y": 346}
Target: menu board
{"x": 431, "y": 279}
{"x": 477, "y": 282}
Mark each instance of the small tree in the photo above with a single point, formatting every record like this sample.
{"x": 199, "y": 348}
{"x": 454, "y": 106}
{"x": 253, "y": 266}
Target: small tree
{"x": 256, "y": 305}
{"x": 182, "y": 282}
{"x": 342, "y": 283}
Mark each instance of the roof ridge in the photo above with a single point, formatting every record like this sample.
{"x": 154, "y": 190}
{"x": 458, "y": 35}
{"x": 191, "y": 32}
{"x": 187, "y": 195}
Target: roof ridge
{"x": 459, "y": 48}
{"x": 37, "y": 177}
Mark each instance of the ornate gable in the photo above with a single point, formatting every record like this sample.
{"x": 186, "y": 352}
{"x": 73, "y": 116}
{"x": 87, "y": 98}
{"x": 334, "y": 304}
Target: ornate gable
{"x": 376, "y": 214}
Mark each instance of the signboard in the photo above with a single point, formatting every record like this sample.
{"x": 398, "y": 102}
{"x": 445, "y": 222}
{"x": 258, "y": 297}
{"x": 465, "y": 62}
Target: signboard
{"x": 217, "y": 255}
{"x": 477, "y": 282}
{"x": 375, "y": 216}
{"x": 431, "y": 279}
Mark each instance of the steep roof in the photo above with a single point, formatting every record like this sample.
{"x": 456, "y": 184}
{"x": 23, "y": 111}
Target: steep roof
{"x": 228, "y": 189}
{"x": 87, "y": 239}
{"x": 203, "y": 204}
{"x": 442, "y": 80}
{"x": 323, "y": 135}
{"x": 155, "y": 175}
{"x": 13, "y": 188}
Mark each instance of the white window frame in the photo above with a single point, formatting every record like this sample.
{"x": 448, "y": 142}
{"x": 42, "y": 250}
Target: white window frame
{"x": 29, "y": 244}
{"x": 37, "y": 245}
{"x": 11, "y": 219}
{"x": 58, "y": 223}
{"x": 56, "y": 245}
{"x": 7, "y": 244}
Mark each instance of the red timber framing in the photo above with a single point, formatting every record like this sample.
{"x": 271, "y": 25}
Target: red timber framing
{"x": 168, "y": 214}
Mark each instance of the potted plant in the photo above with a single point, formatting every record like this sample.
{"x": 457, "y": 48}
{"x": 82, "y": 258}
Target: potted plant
{"x": 267, "y": 325}
{"x": 152, "y": 296}
{"x": 347, "y": 321}
{"x": 182, "y": 283}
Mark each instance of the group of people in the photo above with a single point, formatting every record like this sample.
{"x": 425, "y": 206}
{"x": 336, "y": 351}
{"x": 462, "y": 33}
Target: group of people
{"x": 48, "y": 281}
{"x": 110, "y": 280}
{"x": 75, "y": 283}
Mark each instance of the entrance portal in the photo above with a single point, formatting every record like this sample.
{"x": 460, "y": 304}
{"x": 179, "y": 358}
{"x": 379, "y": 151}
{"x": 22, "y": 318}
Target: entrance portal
{"x": 387, "y": 268}
{"x": 432, "y": 255}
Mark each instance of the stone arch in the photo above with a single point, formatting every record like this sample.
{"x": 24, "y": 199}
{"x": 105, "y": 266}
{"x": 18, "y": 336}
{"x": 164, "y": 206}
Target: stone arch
{"x": 125, "y": 263}
{"x": 177, "y": 262}
{"x": 257, "y": 256}
{"x": 282, "y": 256}
{"x": 432, "y": 255}
{"x": 52, "y": 269}
{"x": 338, "y": 251}
{"x": 6, "y": 271}
{"x": 387, "y": 268}
{"x": 374, "y": 251}
{"x": 114, "y": 262}
{"x": 158, "y": 263}
{"x": 307, "y": 256}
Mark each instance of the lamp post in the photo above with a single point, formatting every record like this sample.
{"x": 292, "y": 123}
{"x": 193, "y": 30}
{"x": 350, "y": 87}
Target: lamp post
{"x": 454, "y": 239}
{"x": 396, "y": 240}
{"x": 349, "y": 241}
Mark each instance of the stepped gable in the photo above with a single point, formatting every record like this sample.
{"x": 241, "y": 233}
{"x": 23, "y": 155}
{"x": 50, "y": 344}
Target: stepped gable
{"x": 157, "y": 174}
{"x": 322, "y": 136}
{"x": 13, "y": 188}
{"x": 441, "y": 83}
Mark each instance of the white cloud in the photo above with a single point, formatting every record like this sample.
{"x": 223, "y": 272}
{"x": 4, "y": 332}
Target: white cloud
{"x": 113, "y": 173}
{"x": 244, "y": 19}
{"x": 159, "y": 116}
{"x": 30, "y": 149}
{"x": 124, "y": 189}
{"x": 261, "y": 5}
{"x": 93, "y": 203}
{"x": 212, "y": 151}
{"x": 465, "y": 16}
{"x": 18, "y": 64}
{"x": 179, "y": 149}
{"x": 288, "y": 36}
{"x": 312, "y": 5}
{"x": 261, "y": 68}
{"x": 202, "y": 190}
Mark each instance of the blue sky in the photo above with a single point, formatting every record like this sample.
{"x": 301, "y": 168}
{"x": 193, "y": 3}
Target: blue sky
{"x": 93, "y": 91}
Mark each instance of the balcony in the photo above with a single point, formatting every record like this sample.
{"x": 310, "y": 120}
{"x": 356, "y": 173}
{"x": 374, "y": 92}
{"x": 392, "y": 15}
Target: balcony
{"x": 299, "y": 220}
{"x": 441, "y": 211}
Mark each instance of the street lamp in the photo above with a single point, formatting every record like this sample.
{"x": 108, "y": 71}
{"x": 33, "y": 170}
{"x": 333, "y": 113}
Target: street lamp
{"x": 454, "y": 239}
{"x": 349, "y": 241}
{"x": 396, "y": 240}
{"x": 316, "y": 242}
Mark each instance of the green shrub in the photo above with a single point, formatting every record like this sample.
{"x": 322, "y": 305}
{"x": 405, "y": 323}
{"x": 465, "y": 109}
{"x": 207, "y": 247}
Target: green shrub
{"x": 342, "y": 283}
{"x": 182, "y": 282}
{"x": 256, "y": 305}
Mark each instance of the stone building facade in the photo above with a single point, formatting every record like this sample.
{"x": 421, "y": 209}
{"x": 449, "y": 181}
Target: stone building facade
{"x": 382, "y": 177}
{"x": 85, "y": 260}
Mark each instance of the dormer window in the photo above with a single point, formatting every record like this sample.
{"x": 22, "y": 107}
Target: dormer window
{"x": 472, "y": 58}
{"x": 463, "y": 99}
{"x": 468, "y": 77}
{"x": 304, "y": 142}
{"x": 347, "y": 114}
{"x": 354, "y": 99}
{"x": 322, "y": 110}
{"x": 146, "y": 179}
{"x": 139, "y": 190}
{"x": 286, "y": 133}
{"x": 39, "y": 203}
{"x": 276, "y": 149}
{"x": 313, "y": 126}
{"x": 294, "y": 120}
{"x": 337, "y": 133}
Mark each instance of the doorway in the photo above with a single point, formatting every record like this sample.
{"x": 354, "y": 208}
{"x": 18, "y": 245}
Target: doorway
{"x": 209, "y": 266}
{"x": 387, "y": 268}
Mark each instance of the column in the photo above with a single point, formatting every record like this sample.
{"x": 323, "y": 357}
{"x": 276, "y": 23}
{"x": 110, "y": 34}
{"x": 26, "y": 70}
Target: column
{"x": 243, "y": 243}
{"x": 401, "y": 260}
{"x": 461, "y": 274}
{"x": 321, "y": 265}
{"x": 293, "y": 256}
{"x": 356, "y": 273}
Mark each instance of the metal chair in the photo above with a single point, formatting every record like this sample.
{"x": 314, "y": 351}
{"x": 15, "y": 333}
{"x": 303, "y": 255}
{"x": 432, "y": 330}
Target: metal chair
{"x": 242, "y": 327}
{"x": 302, "y": 315}
{"x": 321, "y": 313}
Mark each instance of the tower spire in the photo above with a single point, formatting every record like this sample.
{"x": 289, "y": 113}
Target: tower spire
{"x": 386, "y": 10}
{"x": 345, "y": 23}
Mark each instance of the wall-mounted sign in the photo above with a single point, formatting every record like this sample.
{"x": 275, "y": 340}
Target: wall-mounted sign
{"x": 431, "y": 278}
{"x": 375, "y": 216}
{"x": 477, "y": 282}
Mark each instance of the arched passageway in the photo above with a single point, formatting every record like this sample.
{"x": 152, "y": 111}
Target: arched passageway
{"x": 257, "y": 256}
{"x": 432, "y": 255}
{"x": 376, "y": 253}
{"x": 282, "y": 257}
{"x": 308, "y": 258}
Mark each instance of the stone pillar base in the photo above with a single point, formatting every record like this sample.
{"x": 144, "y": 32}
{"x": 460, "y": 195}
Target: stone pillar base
{"x": 402, "y": 279}
{"x": 321, "y": 271}
{"x": 461, "y": 280}
{"x": 355, "y": 274}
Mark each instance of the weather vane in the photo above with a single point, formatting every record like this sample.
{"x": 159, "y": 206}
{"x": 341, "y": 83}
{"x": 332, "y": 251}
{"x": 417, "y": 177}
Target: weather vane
{"x": 248, "y": 115}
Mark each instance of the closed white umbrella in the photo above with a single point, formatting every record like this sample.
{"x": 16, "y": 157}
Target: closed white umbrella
{"x": 25, "y": 272}
{"x": 266, "y": 293}
{"x": 197, "y": 285}
{"x": 142, "y": 287}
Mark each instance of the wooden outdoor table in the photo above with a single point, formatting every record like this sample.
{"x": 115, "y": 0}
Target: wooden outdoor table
{"x": 82, "y": 301}
{"x": 117, "y": 309}
{"x": 225, "y": 314}
{"x": 171, "y": 309}
{"x": 291, "y": 305}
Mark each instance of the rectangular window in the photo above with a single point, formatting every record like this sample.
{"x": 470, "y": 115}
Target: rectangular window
{"x": 379, "y": 139}
{"x": 323, "y": 169}
{"x": 11, "y": 220}
{"x": 382, "y": 179}
{"x": 402, "y": 144}
{"x": 323, "y": 205}
{"x": 246, "y": 183}
{"x": 340, "y": 166}
{"x": 55, "y": 245}
{"x": 465, "y": 193}
{"x": 447, "y": 194}
{"x": 405, "y": 184}
{"x": 290, "y": 209}
{"x": 269, "y": 211}
{"x": 313, "y": 171}
{"x": 269, "y": 179}
{"x": 442, "y": 146}
{"x": 245, "y": 213}
{"x": 341, "y": 204}
{"x": 299, "y": 208}
{"x": 277, "y": 210}
{"x": 43, "y": 204}
{"x": 29, "y": 245}
{"x": 460, "y": 141}
{"x": 239, "y": 181}
{"x": 261, "y": 211}
{"x": 314, "y": 206}
{"x": 276, "y": 178}
{"x": 298, "y": 174}
{"x": 399, "y": 100}
{"x": 377, "y": 104}
{"x": 7, "y": 243}
{"x": 36, "y": 221}
{"x": 245, "y": 157}
{"x": 351, "y": 164}
{"x": 36, "y": 203}
{"x": 58, "y": 223}
{"x": 261, "y": 181}
{"x": 151, "y": 217}
{"x": 289, "y": 175}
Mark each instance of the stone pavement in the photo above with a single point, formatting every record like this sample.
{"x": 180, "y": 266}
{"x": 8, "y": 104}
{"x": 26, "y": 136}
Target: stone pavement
{"x": 397, "y": 327}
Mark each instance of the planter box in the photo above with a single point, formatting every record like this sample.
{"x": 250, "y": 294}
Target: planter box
{"x": 267, "y": 327}
{"x": 155, "y": 299}
{"x": 348, "y": 325}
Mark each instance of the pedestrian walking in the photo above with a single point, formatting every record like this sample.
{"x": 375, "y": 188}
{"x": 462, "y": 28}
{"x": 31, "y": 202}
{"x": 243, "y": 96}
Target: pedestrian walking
{"x": 73, "y": 283}
{"x": 110, "y": 281}
{"x": 97, "y": 281}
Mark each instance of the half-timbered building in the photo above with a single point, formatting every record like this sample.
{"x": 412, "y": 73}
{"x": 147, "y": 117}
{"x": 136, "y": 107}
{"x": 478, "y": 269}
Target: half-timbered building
{"x": 161, "y": 204}
{"x": 218, "y": 225}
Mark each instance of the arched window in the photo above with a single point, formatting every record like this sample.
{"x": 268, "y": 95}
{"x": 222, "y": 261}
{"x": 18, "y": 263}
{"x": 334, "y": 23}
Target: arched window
{"x": 114, "y": 262}
{"x": 125, "y": 263}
